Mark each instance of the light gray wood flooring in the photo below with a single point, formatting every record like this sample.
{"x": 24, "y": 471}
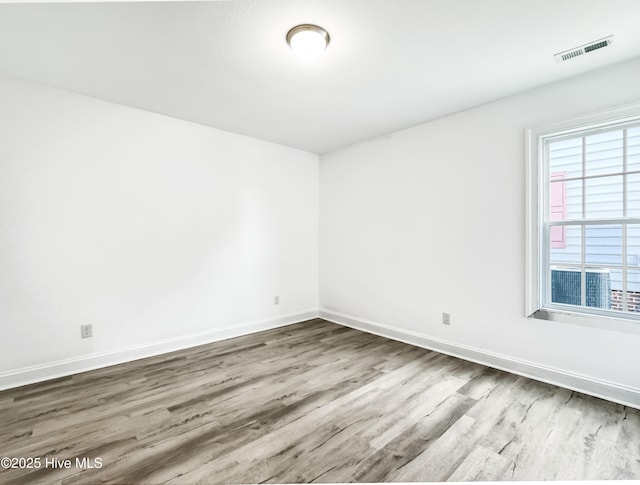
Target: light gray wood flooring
{"x": 312, "y": 402}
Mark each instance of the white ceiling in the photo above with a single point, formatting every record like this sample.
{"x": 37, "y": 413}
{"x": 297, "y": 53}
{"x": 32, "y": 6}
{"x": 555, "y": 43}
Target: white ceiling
{"x": 391, "y": 63}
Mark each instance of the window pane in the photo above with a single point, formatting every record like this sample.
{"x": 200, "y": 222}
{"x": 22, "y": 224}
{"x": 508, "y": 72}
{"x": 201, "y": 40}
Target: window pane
{"x": 566, "y": 284}
{"x": 566, "y": 156}
{"x": 633, "y": 245}
{"x": 598, "y": 292}
{"x": 574, "y": 199}
{"x": 603, "y": 197}
{"x": 633, "y": 149}
{"x": 616, "y": 288}
{"x": 633, "y": 195}
{"x": 603, "y": 244}
{"x": 604, "y": 153}
{"x": 633, "y": 291}
{"x": 571, "y": 251}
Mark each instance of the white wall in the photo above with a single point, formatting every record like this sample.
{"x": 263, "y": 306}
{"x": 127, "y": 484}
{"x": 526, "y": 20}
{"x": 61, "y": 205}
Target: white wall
{"x": 153, "y": 229}
{"x": 432, "y": 219}
{"x": 148, "y": 227}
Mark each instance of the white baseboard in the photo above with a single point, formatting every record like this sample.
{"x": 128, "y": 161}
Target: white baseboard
{"x": 61, "y": 368}
{"x": 628, "y": 396}
{"x": 611, "y": 391}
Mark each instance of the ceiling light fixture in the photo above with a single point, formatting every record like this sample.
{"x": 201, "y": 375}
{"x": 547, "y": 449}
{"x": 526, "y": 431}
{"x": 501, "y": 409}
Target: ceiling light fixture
{"x": 308, "y": 41}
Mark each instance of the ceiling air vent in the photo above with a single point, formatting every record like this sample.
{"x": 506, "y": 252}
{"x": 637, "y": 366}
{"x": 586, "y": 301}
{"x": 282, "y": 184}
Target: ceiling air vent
{"x": 584, "y": 49}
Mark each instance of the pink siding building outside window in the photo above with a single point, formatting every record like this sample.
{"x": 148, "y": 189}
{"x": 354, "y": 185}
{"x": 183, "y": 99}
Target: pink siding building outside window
{"x": 558, "y": 210}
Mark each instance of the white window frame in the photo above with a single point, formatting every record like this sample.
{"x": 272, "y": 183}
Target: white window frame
{"x": 537, "y": 200}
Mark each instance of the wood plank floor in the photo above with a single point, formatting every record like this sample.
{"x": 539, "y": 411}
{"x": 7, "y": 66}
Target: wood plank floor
{"x": 312, "y": 402}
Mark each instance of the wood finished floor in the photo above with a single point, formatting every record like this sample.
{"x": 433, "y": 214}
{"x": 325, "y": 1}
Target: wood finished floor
{"x": 313, "y": 402}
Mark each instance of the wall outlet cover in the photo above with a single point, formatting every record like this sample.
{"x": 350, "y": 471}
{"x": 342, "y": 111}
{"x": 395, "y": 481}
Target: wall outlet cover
{"x": 86, "y": 331}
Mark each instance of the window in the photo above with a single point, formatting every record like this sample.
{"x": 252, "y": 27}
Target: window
{"x": 584, "y": 219}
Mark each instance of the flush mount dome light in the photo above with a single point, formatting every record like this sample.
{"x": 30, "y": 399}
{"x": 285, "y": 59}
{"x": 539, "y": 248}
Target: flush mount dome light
{"x": 308, "y": 40}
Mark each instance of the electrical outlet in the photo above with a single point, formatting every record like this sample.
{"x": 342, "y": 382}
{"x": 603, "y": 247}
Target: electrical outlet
{"x": 86, "y": 331}
{"x": 446, "y": 318}
{"x": 276, "y": 300}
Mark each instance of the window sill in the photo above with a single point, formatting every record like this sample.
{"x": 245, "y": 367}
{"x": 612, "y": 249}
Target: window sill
{"x": 610, "y": 323}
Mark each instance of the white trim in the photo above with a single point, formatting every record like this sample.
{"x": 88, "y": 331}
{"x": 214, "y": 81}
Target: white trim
{"x": 594, "y": 222}
{"x": 61, "y": 368}
{"x": 601, "y": 119}
{"x": 625, "y": 203}
{"x": 611, "y": 391}
{"x": 532, "y": 303}
{"x": 599, "y": 176}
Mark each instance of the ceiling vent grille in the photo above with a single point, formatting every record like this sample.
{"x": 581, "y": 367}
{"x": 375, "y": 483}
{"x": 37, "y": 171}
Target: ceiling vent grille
{"x": 584, "y": 49}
